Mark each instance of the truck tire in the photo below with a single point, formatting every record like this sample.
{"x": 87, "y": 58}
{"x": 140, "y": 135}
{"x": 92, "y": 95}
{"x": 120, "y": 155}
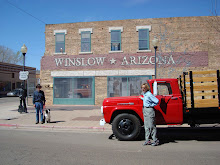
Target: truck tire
{"x": 126, "y": 127}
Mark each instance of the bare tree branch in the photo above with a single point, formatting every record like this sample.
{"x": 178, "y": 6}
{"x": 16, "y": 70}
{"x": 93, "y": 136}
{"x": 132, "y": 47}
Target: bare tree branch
{"x": 214, "y": 21}
{"x": 7, "y": 55}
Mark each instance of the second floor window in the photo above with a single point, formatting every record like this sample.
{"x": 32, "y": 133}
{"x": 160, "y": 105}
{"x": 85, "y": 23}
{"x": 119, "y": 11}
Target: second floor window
{"x": 86, "y": 41}
{"x": 60, "y": 42}
{"x": 115, "y": 40}
{"x": 143, "y": 39}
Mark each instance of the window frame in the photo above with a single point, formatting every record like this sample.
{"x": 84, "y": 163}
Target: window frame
{"x": 115, "y": 41}
{"x": 168, "y": 85}
{"x": 147, "y": 39}
{"x": 85, "y": 32}
{"x": 60, "y": 42}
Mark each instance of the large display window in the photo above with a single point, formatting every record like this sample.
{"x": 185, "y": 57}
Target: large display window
{"x": 125, "y": 85}
{"x": 74, "y": 90}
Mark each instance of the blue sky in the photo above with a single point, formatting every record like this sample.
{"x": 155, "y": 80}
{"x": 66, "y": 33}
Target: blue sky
{"x": 17, "y": 27}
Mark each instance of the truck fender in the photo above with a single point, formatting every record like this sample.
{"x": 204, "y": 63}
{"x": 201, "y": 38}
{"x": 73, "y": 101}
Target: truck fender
{"x": 129, "y": 111}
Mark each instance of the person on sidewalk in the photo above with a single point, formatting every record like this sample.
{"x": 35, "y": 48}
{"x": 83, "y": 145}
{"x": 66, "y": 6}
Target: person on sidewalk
{"x": 39, "y": 102}
{"x": 22, "y": 96}
{"x": 149, "y": 101}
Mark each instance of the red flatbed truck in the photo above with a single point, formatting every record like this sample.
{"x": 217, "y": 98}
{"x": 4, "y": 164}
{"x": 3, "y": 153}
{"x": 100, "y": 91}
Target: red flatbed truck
{"x": 193, "y": 98}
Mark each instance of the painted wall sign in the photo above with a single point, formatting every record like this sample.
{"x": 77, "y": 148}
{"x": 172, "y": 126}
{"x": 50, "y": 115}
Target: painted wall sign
{"x": 132, "y": 60}
{"x": 120, "y": 61}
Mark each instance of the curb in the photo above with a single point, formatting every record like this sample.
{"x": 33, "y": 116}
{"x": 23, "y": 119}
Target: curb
{"x": 52, "y": 127}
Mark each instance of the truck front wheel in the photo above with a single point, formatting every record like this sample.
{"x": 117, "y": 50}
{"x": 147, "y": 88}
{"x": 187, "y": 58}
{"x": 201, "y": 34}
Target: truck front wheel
{"x": 126, "y": 126}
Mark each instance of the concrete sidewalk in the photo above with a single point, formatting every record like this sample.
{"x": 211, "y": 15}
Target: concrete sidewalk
{"x": 62, "y": 117}
{"x": 65, "y": 117}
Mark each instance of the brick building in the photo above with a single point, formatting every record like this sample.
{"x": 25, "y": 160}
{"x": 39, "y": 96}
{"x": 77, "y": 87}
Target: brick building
{"x": 9, "y": 77}
{"x": 89, "y": 61}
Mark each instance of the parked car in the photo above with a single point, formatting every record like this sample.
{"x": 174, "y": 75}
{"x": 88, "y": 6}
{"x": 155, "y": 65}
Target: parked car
{"x": 14, "y": 93}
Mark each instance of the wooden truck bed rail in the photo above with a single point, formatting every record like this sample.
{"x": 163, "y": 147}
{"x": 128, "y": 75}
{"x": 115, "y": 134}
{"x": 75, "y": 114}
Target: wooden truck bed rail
{"x": 200, "y": 89}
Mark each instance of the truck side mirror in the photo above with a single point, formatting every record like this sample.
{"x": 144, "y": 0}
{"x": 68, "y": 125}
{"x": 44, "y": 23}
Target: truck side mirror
{"x": 155, "y": 88}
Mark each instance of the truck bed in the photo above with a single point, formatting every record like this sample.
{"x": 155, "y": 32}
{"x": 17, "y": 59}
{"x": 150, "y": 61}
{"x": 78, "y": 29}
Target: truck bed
{"x": 200, "y": 89}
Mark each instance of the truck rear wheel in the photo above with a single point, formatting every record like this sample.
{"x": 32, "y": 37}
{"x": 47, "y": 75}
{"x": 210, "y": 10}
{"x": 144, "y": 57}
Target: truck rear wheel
{"x": 126, "y": 127}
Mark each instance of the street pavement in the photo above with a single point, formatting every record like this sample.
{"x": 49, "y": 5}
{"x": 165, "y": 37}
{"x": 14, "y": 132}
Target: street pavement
{"x": 75, "y": 137}
{"x": 54, "y": 148}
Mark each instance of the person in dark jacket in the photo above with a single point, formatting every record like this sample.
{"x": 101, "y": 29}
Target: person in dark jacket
{"x": 22, "y": 96}
{"x": 39, "y": 102}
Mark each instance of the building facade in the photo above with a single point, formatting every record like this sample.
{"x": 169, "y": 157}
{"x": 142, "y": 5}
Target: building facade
{"x": 89, "y": 61}
{"x": 9, "y": 77}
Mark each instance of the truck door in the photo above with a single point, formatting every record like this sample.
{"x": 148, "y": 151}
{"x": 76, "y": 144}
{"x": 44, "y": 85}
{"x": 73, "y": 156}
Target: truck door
{"x": 169, "y": 109}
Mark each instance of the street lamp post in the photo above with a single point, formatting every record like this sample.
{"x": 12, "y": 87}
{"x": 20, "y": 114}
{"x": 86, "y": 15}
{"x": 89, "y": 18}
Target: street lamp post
{"x": 23, "y": 94}
{"x": 24, "y": 51}
{"x": 155, "y": 42}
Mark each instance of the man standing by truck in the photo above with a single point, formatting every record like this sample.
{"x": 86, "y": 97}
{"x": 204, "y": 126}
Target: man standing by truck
{"x": 149, "y": 101}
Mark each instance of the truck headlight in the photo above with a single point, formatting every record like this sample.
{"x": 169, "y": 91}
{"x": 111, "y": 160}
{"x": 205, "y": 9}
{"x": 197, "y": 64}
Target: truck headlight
{"x": 102, "y": 109}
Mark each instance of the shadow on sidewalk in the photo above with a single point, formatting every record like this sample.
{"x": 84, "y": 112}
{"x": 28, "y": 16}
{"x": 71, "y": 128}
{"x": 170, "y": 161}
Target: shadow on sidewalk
{"x": 57, "y": 121}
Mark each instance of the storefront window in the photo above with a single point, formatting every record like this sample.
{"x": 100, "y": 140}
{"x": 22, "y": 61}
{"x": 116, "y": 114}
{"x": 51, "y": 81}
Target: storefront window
{"x": 62, "y": 87}
{"x": 73, "y": 90}
{"x": 125, "y": 86}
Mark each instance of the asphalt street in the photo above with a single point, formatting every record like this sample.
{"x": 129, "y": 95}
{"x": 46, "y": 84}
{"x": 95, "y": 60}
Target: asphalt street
{"x": 180, "y": 146}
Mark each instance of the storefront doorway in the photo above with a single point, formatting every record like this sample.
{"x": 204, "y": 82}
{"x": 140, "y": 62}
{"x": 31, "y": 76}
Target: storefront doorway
{"x": 74, "y": 91}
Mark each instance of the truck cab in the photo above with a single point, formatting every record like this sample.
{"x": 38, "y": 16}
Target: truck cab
{"x": 126, "y": 116}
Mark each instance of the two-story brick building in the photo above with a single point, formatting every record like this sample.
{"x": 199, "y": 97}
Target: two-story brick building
{"x": 88, "y": 61}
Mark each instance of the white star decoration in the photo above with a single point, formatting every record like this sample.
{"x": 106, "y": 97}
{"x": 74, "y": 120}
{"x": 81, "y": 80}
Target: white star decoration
{"x": 113, "y": 61}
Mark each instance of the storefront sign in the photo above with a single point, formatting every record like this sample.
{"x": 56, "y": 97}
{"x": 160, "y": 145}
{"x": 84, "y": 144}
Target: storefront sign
{"x": 119, "y": 61}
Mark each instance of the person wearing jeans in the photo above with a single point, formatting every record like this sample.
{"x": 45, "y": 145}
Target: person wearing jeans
{"x": 39, "y": 102}
{"x": 149, "y": 101}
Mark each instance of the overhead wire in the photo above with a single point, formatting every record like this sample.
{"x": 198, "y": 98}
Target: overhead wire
{"x": 25, "y": 12}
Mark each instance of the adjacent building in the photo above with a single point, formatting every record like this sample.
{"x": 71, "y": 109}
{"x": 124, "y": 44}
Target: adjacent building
{"x": 88, "y": 61}
{"x": 9, "y": 77}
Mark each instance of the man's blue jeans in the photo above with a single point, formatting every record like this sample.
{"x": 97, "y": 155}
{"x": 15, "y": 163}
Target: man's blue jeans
{"x": 39, "y": 108}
